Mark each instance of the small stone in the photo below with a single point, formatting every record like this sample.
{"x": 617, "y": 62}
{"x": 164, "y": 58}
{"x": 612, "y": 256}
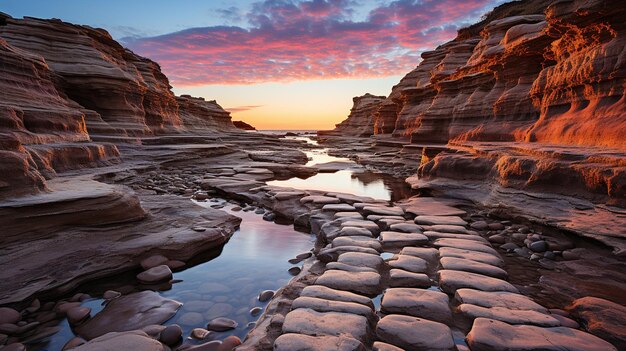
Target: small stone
{"x": 538, "y": 246}
{"x": 294, "y": 270}
{"x": 256, "y": 311}
{"x": 171, "y": 335}
{"x": 9, "y": 315}
{"x": 479, "y": 225}
{"x": 155, "y": 275}
{"x": 200, "y": 333}
{"x": 269, "y": 216}
{"x": 221, "y": 324}
{"x": 229, "y": 343}
{"x": 266, "y": 295}
{"x": 153, "y": 261}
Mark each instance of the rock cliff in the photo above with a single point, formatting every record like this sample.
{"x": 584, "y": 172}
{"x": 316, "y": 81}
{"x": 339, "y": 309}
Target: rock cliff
{"x": 361, "y": 118}
{"x": 532, "y": 96}
{"x": 69, "y": 90}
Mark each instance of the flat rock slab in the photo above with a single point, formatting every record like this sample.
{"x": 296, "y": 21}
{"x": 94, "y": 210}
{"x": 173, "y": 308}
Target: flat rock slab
{"x": 348, "y": 214}
{"x": 498, "y": 299}
{"x": 299, "y": 342}
{"x": 361, "y": 241}
{"x": 432, "y": 235}
{"x": 338, "y": 208}
{"x": 409, "y": 263}
{"x": 426, "y": 253}
{"x": 354, "y": 231}
{"x": 369, "y": 225}
{"x": 405, "y": 227}
{"x": 131, "y": 340}
{"x": 384, "y": 211}
{"x": 350, "y": 197}
{"x": 365, "y": 283}
{"x": 492, "y": 335}
{"x": 450, "y": 281}
{"x": 430, "y": 207}
{"x": 462, "y": 264}
{"x": 310, "y": 322}
{"x": 421, "y": 303}
{"x": 466, "y": 245}
{"x": 129, "y": 312}
{"x": 399, "y": 278}
{"x": 286, "y": 195}
{"x": 320, "y": 200}
{"x": 323, "y": 305}
{"x": 415, "y": 334}
{"x": 382, "y": 346}
{"x": 323, "y": 292}
{"x": 509, "y": 316}
{"x": 360, "y": 259}
{"x": 494, "y": 260}
{"x": 445, "y": 220}
{"x": 348, "y": 268}
{"x": 395, "y": 239}
{"x": 446, "y": 228}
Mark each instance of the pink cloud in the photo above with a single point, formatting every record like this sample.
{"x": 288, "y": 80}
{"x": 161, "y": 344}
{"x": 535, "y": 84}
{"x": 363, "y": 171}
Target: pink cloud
{"x": 297, "y": 40}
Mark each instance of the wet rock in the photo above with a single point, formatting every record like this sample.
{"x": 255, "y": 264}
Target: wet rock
{"x": 349, "y": 268}
{"x": 498, "y": 299}
{"x": 294, "y": 270}
{"x": 462, "y": 264}
{"x": 338, "y": 208}
{"x": 320, "y": 200}
{"x": 445, "y": 220}
{"x": 384, "y": 211}
{"x": 602, "y": 318}
{"x": 450, "y": 281}
{"x": 9, "y": 315}
{"x": 78, "y": 315}
{"x": 421, "y": 303}
{"x": 510, "y": 247}
{"x": 129, "y": 312}
{"x": 409, "y": 263}
{"x": 229, "y": 343}
{"x": 354, "y": 231}
{"x": 381, "y": 346}
{"x": 171, "y": 335}
{"x": 479, "y": 225}
{"x": 266, "y": 295}
{"x": 465, "y": 245}
{"x": 175, "y": 264}
{"x": 361, "y": 241}
{"x": 366, "y": 283}
{"x": 470, "y": 237}
{"x": 14, "y": 347}
{"x": 221, "y": 324}
{"x": 269, "y": 216}
{"x": 492, "y": 335}
{"x": 354, "y": 215}
{"x": 256, "y": 311}
{"x": 130, "y": 340}
{"x": 200, "y": 333}
{"x": 310, "y": 322}
{"x": 428, "y": 254}
{"x": 155, "y": 275}
{"x": 153, "y": 261}
{"x": 285, "y": 195}
{"x": 497, "y": 239}
{"x": 300, "y": 342}
{"x": 399, "y": 278}
{"x": 371, "y": 226}
{"x": 153, "y": 330}
{"x": 414, "y": 334}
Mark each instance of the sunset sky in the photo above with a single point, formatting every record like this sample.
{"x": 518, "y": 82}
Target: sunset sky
{"x": 276, "y": 64}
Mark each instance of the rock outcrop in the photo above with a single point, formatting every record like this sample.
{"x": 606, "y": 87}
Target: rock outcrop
{"x": 360, "y": 122}
{"x": 69, "y": 90}
{"x": 243, "y": 125}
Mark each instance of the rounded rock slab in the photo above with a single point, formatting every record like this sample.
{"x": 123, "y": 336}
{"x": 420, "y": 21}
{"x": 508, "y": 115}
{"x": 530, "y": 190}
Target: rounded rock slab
{"x": 9, "y": 315}
{"x": 414, "y": 334}
{"x": 153, "y": 261}
{"x": 131, "y": 340}
{"x": 155, "y": 275}
{"x": 221, "y": 324}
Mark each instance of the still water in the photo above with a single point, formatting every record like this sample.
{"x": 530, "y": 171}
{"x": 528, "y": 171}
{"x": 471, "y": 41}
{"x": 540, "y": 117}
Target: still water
{"x": 228, "y": 285}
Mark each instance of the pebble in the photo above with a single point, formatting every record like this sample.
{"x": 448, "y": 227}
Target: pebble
{"x": 9, "y": 315}
{"x": 200, "y": 333}
{"x": 294, "y": 270}
{"x": 266, "y": 295}
{"x": 479, "y": 225}
{"x": 77, "y": 315}
{"x": 155, "y": 275}
{"x": 171, "y": 335}
{"x": 111, "y": 294}
{"x": 256, "y": 311}
{"x": 269, "y": 216}
{"x": 221, "y": 324}
{"x": 538, "y": 246}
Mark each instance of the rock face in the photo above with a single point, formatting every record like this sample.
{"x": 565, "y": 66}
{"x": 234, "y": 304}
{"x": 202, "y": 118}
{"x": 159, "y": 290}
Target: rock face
{"x": 66, "y": 85}
{"x": 243, "y": 125}
{"x": 530, "y": 98}
{"x": 360, "y": 122}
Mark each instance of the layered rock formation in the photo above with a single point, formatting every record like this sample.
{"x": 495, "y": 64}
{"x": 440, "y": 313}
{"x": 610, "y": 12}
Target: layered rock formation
{"x": 65, "y": 86}
{"x": 243, "y": 125}
{"x": 532, "y": 98}
{"x": 361, "y": 118}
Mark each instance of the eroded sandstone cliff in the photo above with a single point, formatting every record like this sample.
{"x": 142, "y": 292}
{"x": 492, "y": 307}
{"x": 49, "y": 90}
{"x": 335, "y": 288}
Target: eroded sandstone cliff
{"x": 361, "y": 118}
{"x": 70, "y": 93}
{"x": 532, "y": 96}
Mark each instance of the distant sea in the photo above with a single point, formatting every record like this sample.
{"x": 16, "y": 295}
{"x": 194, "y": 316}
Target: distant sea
{"x": 284, "y": 131}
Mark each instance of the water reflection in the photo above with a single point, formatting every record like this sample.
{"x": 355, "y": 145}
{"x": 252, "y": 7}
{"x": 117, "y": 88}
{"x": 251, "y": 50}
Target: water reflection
{"x": 254, "y": 259}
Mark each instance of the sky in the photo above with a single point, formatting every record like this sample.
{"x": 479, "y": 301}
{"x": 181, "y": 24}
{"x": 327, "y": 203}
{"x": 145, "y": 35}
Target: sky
{"x": 276, "y": 64}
